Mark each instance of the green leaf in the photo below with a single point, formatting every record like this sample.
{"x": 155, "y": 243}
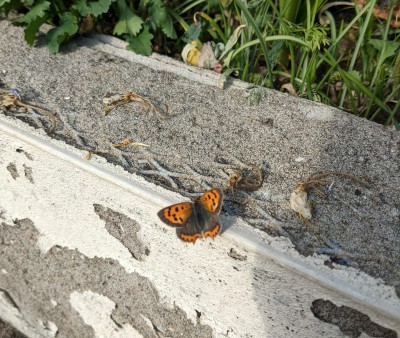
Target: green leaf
{"x": 3, "y": 2}
{"x": 387, "y": 48}
{"x": 32, "y": 29}
{"x": 141, "y": 44}
{"x": 168, "y": 28}
{"x": 162, "y": 19}
{"x": 129, "y": 22}
{"x": 192, "y": 33}
{"x": 35, "y": 18}
{"x": 94, "y": 8}
{"x": 68, "y": 26}
{"x": 38, "y": 11}
{"x": 6, "y": 6}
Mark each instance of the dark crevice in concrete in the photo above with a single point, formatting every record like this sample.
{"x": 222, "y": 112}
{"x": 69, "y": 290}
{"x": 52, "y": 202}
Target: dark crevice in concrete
{"x": 124, "y": 229}
{"x": 350, "y": 321}
{"x": 12, "y": 168}
{"x": 41, "y": 285}
{"x": 28, "y": 156}
{"x": 9, "y": 299}
{"x": 28, "y": 173}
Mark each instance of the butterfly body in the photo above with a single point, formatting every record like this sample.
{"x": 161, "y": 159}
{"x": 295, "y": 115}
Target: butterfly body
{"x": 195, "y": 220}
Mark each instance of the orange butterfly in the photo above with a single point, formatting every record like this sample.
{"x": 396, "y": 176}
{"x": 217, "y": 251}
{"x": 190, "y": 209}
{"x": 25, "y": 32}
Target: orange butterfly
{"x": 195, "y": 220}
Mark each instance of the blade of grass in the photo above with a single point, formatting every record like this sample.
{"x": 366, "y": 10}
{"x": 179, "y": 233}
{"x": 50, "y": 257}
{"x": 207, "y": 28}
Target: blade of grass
{"x": 178, "y": 18}
{"x": 395, "y": 110}
{"x": 360, "y": 41}
{"x": 260, "y": 37}
{"x": 289, "y": 9}
{"x": 329, "y": 72}
{"x": 346, "y": 29}
{"x": 385, "y": 40}
{"x": 268, "y": 39}
{"x": 215, "y": 26}
{"x": 189, "y": 5}
{"x": 332, "y": 25}
{"x": 364, "y": 89}
{"x": 354, "y": 81}
{"x": 225, "y": 15}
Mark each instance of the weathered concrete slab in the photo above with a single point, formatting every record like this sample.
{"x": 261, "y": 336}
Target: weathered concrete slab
{"x": 56, "y": 202}
{"x": 65, "y": 265}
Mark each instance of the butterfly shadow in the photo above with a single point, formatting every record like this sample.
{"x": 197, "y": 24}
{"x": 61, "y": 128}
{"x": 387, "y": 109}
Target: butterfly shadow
{"x": 227, "y": 222}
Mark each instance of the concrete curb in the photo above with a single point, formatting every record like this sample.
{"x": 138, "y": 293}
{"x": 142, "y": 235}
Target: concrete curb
{"x": 243, "y": 235}
{"x": 246, "y": 238}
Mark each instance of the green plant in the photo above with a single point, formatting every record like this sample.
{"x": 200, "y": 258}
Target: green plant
{"x": 365, "y": 83}
{"x": 301, "y": 42}
{"x": 138, "y": 21}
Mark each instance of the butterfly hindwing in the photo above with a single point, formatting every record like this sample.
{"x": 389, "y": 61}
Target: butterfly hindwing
{"x": 176, "y": 215}
{"x": 212, "y": 200}
{"x": 201, "y": 223}
{"x": 213, "y": 226}
{"x": 192, "y": 229}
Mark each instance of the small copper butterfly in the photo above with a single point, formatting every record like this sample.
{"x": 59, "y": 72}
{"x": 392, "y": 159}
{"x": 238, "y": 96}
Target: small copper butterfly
{"x": 195, "y": 220}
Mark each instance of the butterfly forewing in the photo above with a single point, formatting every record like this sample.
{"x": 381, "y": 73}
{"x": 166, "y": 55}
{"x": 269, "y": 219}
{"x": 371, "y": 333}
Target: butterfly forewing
{"x": 212, "y": 200}
{"x": 177, "y": 214}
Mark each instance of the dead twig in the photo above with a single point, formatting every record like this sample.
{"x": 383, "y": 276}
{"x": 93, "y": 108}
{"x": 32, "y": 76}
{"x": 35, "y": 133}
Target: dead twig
{"x": 127, "y": 142}
{"x": 119, "y": 100}
{"x": 12, "y": 99}
{"x": 89, "y": 154}
{"x": 248, "y": 179}
{"x": 299, "y": 197}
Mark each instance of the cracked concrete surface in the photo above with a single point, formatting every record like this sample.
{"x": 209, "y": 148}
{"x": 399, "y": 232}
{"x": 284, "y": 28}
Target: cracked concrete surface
{"x": 124, "y": 229}
{"x": 67, "y": 275}
{"x": 208, "y": 134}
{"x": 351, "y": 322}
{"x": 71, "y": 249}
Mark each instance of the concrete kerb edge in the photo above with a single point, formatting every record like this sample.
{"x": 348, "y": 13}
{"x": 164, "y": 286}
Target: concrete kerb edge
{"x": 117, "y": 47}
{"x": 250, "y": 242}
{"x": 246, "y": 238}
